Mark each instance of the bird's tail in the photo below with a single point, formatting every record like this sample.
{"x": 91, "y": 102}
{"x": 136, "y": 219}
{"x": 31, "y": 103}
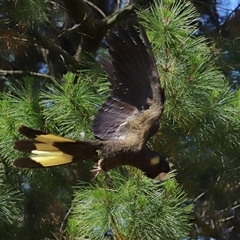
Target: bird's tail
{"x": 50, "y": 150}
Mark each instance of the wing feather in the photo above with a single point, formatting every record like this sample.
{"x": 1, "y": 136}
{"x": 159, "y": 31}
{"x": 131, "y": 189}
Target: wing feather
{"x": 106, "y": 125}
{"x": 135, "y": 87}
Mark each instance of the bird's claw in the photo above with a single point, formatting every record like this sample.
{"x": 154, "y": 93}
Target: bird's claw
{"x": 98, "y": 169}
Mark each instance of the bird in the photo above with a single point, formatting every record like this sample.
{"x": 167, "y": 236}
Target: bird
{"x": 125, "y": 122}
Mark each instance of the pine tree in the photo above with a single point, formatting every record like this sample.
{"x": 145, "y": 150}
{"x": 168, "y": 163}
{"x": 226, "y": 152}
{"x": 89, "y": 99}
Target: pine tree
{"x": 199, "y": 133}
{"x": 200, "y": 126}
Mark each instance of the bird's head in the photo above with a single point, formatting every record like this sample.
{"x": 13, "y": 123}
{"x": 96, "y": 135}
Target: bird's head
{"x": 151, "y": 163}
{"x": 158, "y": 166}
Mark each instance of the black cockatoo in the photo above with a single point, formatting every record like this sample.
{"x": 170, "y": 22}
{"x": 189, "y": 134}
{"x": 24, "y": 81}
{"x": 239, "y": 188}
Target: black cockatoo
{"x": 124, "y": 123}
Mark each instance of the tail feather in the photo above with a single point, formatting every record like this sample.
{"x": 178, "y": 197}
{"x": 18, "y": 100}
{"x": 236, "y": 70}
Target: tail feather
{"x": 27, "y": 162}
{"x": 42, "y": 136}
{"x": 50, "y": 150}
{"x": 30, "y": 145}
{"x": 29, "y": 132}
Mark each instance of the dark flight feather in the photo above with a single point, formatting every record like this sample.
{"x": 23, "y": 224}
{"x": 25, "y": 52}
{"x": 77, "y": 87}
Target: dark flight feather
{"x": 133, "y": 76}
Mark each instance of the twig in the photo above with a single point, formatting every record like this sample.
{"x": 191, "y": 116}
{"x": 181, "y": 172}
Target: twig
{"x": 95, "y": 7}
{"x": 65, "y": 217}
{"x": 44, "y": 42}
{"x": 24, "y": 73}
{"x": 112, "y": 19}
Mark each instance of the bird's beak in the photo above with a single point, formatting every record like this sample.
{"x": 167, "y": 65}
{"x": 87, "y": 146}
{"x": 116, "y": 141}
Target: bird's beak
{"x": 162, "y": 176}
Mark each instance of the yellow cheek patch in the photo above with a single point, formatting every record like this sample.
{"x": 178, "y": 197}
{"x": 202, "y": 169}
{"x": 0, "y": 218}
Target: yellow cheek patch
{"x": 155, "y": 160}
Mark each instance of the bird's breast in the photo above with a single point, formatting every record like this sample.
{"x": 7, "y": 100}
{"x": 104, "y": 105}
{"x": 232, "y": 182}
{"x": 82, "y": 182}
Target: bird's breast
{"x": 118, "y": 153}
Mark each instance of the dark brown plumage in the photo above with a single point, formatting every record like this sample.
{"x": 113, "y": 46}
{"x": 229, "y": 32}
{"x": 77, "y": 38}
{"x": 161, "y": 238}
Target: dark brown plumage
{"x": 124, "y": 123}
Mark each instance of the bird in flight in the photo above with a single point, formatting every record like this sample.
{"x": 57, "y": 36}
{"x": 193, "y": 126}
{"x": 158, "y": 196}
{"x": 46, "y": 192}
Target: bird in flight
{"x": 124, "y": 123}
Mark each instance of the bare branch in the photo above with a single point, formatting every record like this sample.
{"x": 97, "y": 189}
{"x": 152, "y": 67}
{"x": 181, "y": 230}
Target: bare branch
{"x": 96, "y": 8}
{"x": 118, "y": 14}
{"x": 44, "y": 42}
{"x": 24, "y": 74}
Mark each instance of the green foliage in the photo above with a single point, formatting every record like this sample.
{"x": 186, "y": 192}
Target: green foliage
{"x": 187, "y": 70}
{"x": 135, "y": 208}
{"x": 54, "y": 106}
{"x": 10, "y": 202}
{"x": 62, "y": 102}
{"x": 199, "y": 101}
{"x": 26, "y": 12}
{"x": 19, "y": 106}
{"x": 200, "y": 125}
{"x": 199, "y": 133}
{"x": 9, "y": 211}
{"x": 49, "y": 107}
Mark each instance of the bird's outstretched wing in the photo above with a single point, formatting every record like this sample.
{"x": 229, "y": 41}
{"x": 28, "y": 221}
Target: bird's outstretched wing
{"x": 134, "y": 86}
{"x": 51, "y": 150}
{"x": 131, "y": 112}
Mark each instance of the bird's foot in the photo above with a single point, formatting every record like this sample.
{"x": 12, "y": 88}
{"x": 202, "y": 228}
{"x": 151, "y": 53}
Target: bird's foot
{"x": 98, "y": 169}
